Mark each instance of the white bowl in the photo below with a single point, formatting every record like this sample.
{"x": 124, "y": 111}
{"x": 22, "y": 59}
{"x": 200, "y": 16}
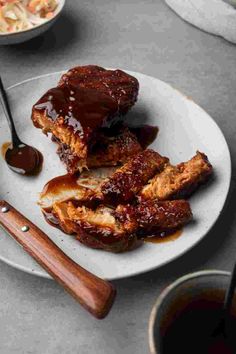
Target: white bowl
{"x": 23, "y": 36}
{"x": 176, "y": 296}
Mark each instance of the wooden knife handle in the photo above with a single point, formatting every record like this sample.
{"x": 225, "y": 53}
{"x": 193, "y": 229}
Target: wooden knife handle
{"x": 93, "y": 293}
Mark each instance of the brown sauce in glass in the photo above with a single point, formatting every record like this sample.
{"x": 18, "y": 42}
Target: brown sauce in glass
{"x": 164, "y": 237}
{"x": 192, "y": 331}
{"x": 83, "y": 110}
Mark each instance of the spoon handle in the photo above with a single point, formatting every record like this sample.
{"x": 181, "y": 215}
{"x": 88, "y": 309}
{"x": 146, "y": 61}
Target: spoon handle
{"x": 230, "y": 293}
{"x": 94, "y": 294}
{"x": 7, "y": 111}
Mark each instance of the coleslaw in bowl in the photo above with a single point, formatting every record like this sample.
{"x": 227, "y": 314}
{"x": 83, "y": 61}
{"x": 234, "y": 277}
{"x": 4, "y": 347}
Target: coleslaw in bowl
{"x": 21, "y": 20}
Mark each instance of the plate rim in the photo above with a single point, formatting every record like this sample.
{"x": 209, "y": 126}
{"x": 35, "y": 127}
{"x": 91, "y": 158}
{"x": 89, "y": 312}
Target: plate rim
{"x": 45, "y": 275}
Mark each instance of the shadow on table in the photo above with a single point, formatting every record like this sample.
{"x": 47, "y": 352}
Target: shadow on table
{"x": 62, "y": 35}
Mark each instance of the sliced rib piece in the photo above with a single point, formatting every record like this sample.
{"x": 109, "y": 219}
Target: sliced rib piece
{"x": 74, "y": 116}
{"x": 59, "y": 217}
{"x": 99, "y": 229}
{"x": 117, "y": 230}
{"x": 128, "y": 180}
{"x": 108, "y": 151}
{"x": 114, "y": 150}
{"x": 153, "y": 216}
{"x": 122, "y": 87}
{"x": 176, "y": 182}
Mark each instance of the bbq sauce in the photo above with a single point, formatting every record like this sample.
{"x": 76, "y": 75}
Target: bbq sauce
{"x": 145, "y": 134}
{"x": 164, "y": 236}
{"x": 193, "y": 330}
{"x": 23, "y": 159}
{"x": 83, "y": 110}
{"x": 60, "y": 183}
{"x": 51, "y": 218}
{"x": 5, "y": 147}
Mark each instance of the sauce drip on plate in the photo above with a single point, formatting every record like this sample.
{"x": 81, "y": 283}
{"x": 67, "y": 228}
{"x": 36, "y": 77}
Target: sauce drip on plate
{"x": 164, "y": 237}
{"x": 145, "y": 134}
{"x": 4, "y": 148}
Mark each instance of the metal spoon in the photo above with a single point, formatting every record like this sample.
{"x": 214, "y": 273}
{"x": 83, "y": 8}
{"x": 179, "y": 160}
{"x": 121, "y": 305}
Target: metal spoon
{"x": 20, "y": 158}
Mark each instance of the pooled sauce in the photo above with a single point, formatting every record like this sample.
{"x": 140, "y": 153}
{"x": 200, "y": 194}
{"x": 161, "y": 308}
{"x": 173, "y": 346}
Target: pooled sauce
{"x": 38, "y": 168}
{"x": 164, "y": 236}
{"x": 4, "y": 148}
{"x": 50, "y": 218}
{"x": 60, "y": 183}
{"x": 84, "y": 110}
{"x": 192, "y": 331}
{"x": 145, "y": 134}
{"x": 23, "y": 159}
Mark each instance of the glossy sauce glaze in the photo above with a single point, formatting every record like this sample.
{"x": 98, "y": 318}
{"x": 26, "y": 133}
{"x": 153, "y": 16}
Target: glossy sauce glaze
{"x": 164, "y": 236}
{"x": 51, "y": 219}
{"x": 146, "y": 134}
{"x": 115, "y": 83}
{"x": 5, "y": 147}
{"x": 84, "y": 110}
{"x": 60, "y": 183}
{"x": 127, "y": 181}
{"x": 23, "y": 159}
{"x": 76, "y": 182}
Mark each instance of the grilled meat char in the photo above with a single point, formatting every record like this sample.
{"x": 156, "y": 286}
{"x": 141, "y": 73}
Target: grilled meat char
{"x": 117, "y": 230}
{"x": 80, "y": 209}
{"x": 87, "y": 99}
{"x": 99, "y": 229}
{"x": 123, "y": 186}
{"x": 177, "y": 182}
{"x": 122, "y": 87}
{"x": 109, "y": 150}
{"x": 154, "y": 217}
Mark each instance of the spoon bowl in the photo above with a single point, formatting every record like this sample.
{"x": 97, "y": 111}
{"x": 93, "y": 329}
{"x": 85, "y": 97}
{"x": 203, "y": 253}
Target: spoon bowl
{"x": 20, "y": 157}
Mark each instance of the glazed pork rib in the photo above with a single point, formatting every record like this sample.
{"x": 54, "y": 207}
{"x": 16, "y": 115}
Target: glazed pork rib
{"x": 99, "y": 229}
{"x": 127, "y": 181}
{"x": 87, "y": 212}
{"x": 117, "y": 230}
{"x": 113, "y": 150}
{"x": 122, "y": 87}
{"x": 88, "y": 99}
{"x": 177, "y": 182}
{"x": 154, "y": 217}
{"x": 74, "y": 116}
{"x": 109, "y": 150}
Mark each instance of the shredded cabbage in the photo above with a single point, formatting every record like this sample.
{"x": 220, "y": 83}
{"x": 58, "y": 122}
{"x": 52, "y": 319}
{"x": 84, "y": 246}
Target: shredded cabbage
{"x": 19, "y": 15}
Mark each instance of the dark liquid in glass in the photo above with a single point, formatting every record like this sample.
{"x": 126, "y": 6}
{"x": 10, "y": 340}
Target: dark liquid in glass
{"x": 192, "y": 332}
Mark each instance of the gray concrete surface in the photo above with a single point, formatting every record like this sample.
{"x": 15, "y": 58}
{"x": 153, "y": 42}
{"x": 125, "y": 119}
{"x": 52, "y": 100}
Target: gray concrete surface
{"x": 36, "y": 316}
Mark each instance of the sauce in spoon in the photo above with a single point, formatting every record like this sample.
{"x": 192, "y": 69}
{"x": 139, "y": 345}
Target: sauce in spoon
{"x": 20, "y": 158}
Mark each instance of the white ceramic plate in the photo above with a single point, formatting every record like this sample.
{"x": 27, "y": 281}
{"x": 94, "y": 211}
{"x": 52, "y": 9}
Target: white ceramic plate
{"x": 184, "y": 128}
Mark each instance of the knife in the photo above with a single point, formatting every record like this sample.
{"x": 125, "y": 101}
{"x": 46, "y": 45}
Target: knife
{"x": 95, "y": 294}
